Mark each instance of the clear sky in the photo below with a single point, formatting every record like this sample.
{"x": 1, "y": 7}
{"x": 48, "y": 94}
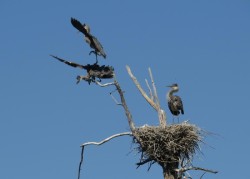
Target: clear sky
{"x": 204, "y": 46}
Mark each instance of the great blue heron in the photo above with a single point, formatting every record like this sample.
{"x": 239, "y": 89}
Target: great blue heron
{"x": 90, "y": 39}
{"x": 174, "y": 102}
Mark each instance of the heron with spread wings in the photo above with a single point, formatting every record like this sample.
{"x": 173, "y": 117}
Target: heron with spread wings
{"x": 90, "y": 39}
{"x": 93, "y": 71}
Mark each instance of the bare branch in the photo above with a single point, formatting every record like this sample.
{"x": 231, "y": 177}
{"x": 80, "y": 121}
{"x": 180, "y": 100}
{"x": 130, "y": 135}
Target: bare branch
{"x": 150, "y": 91}
{"x": 107, "y": 139}
{"x": 154, "y": 88}
{"x": 98, "y": 143}
{"x": 144, "y": 162}
{"x": 124, "y": 105}
{"x": 115, "y": 100}
{"x": 161, "y": 113}
{"x": 182, "y": 170}
{"x": 80, "y": 164}
{"x": 103, "y": 85}
{"x": 151, "y": 102}
{"x": 203, "y": 175}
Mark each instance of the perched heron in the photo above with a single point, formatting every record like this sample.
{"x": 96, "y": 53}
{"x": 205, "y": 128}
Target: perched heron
{"x": 174, "y": 102}
{"x": 90, "y": 39}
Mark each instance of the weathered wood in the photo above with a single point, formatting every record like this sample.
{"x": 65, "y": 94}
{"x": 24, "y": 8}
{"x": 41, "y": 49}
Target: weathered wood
{"x": 169, "y": 170}
{"x": 124, "y": 105}
{"x": 153, "y": 99}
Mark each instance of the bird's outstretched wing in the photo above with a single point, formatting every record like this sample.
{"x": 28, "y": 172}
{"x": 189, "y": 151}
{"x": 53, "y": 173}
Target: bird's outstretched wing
{"x": 69, "y": 63}
{"x": 98, "y": 46}
{"x": 79, "y": 26}
{"x": 90, "y": 39}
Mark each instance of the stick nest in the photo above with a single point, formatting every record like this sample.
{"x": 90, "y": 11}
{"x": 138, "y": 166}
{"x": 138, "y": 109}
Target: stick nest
{"x": 167, "y": 144}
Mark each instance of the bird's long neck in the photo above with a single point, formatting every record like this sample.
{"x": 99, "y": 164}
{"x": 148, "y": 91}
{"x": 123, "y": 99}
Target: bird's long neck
{"x": 171, "y": 92}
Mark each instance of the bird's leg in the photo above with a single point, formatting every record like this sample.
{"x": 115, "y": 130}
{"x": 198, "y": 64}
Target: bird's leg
{"x": 91, "y": 52}
{"x": 173, "y": 119}
{"x": 96, "y": 58}
{"x": 95, "y": 55}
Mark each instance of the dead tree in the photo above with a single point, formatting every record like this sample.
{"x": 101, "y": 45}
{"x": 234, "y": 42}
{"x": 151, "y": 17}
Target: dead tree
{"x": 171, "y": 146}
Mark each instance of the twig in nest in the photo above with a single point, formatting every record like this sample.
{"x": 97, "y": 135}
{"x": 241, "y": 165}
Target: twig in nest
{"x": 144, "y": 161}
{"x": 169, "y": 144}
{"x": 174, "y": 144}
{"x": 150, "y": 161}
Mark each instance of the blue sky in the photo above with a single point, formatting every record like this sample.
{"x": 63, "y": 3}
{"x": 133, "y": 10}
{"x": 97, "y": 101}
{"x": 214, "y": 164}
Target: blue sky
{"x": 45, "y": 116}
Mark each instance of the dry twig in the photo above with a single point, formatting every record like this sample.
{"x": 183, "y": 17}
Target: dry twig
{"x": 156, "y": 99}
{"x": 107, "y": 139}
{"x": 104, "y": 85}
{"x": 150, "y": 91}
{"x": 183, "y": 170}
{"x": 115, "y": 100}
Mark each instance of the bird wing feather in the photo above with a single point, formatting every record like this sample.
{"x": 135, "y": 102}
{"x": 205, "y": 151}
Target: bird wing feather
{"x": 172, "y": 109}
{"x": 92, "y": 40}
{"x": 98, "y": 46}
{"x": 73, "y": 64}
{"x": 78, "y": 25}
{"x": 178, "y": 103}
{"x": 175, "y": 105}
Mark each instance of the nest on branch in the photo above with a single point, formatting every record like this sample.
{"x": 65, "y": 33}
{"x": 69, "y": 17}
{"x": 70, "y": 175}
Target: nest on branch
{"x": 163, "y": 145}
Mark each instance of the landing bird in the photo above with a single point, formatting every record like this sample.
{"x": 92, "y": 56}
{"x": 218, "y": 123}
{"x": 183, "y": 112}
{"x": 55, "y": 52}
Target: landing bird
{"x": 90, "y": 39}
{"x": 174, "y": 102}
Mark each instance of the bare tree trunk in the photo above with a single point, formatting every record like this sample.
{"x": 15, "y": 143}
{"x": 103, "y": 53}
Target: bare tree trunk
{"x": 169, "y": 170}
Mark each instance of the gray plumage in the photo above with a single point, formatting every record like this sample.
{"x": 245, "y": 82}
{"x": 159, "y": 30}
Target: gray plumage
{"x": 174, "y": 102}
{"x": 90, "y": 39}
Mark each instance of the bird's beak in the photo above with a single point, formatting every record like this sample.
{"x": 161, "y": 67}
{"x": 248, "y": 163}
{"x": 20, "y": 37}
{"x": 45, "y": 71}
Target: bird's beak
{"x": 169, "y": 86}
